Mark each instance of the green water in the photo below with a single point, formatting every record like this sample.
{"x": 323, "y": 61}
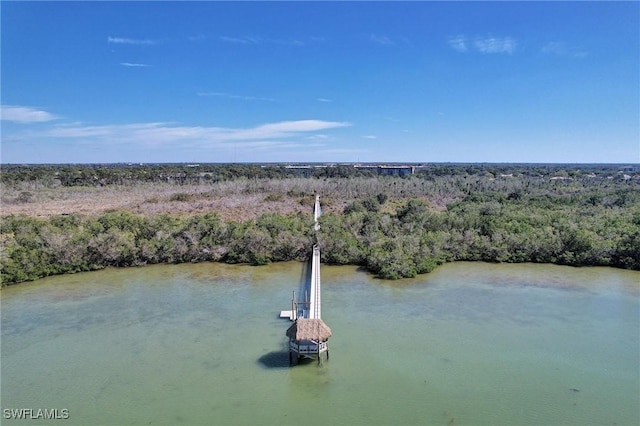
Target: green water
{"x": 469, "y": 344}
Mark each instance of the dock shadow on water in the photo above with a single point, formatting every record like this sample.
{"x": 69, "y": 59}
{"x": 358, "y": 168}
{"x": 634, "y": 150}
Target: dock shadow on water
{"x": 305, "y": 279}
{"x": 280, "y": 359}
{"x": 275, "y": 359}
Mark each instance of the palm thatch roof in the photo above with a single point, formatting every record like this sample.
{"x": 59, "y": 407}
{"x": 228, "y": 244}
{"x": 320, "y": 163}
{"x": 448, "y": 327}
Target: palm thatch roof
{"x": 309, "y": 329}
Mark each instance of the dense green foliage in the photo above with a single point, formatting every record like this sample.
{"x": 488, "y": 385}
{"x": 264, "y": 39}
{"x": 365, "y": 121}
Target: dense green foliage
{"x": 415, "y": 239}
{"x": 33, "y": 248}
{"x": 389, "y": 226}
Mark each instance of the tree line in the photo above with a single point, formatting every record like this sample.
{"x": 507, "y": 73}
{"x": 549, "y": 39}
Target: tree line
{"x": 49, "y": 175}
{"x": 392, "y": 235}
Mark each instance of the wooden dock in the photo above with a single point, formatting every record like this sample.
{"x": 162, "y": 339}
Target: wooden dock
{"x": 287, "y": 314}
{"x": 309, "y": 334}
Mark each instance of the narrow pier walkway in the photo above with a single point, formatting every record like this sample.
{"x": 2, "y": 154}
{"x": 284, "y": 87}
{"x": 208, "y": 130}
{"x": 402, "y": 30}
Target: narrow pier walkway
{"x": 309, "y": 300}
{"x": 309, "y": 334}
{"x": 313, "y": 306}
{"x": 315, "y": 302}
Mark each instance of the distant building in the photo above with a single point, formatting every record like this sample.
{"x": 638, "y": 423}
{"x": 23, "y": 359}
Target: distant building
{"x": 631, "y": 169}
{"x": 380, "y": 169}
{"x": 301, "y": 171}
{"x": 389, "y": 170}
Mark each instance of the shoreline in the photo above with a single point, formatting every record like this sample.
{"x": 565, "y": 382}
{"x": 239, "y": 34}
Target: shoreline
{"x": 330, "y": 270}
{"x": 394, "y": 227}
{"x": 362, "y": 268}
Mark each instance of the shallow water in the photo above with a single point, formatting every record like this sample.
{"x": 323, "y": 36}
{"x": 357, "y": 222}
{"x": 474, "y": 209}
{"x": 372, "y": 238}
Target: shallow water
{"x": 469, "y": 344}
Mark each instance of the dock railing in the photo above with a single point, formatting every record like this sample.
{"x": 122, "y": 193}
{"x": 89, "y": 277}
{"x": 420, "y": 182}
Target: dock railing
{"x": 308, "y": 347}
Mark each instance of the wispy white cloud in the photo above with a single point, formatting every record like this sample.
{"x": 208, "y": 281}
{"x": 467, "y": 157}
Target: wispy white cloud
{"x": 495, "y": 45}
{"x": 240, "y": 40}
{"x": 300, "y": 126}
{"x": 132, "y": 64}
{"x": 370, "y": 137}
{"x": 318, "y": 137}
{"x": 382, "y": 40}
{"x": 458, "y": 43}
{"x": 123, "y": 40}
{"x": 324, "y": 100}
{"x": 255, "y": 40}
{"x": 159, "y": 134}
{"x": 559, "y": 48}
{"x": 22, "y": 114}
{"x": 240, "y": 97}
{"x": 486, "y": 45}
{"x": 117, "y": 132}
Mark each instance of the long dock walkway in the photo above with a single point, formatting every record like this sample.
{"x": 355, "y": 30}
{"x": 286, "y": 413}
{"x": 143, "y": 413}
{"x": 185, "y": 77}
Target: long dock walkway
{"x": 314, "y": 310}
{"x": 315, "y": 301}
{"x": 309, "y": 300}
{"x": 308, "y": 334}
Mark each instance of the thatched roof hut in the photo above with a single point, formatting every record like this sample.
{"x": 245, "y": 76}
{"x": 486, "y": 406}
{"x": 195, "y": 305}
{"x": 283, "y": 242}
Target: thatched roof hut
{"x": 309, "y": 329}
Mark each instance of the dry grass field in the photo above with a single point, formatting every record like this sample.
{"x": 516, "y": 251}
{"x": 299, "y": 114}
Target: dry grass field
{"x": 147, "y": 200}
{"x": 236, "y": 201}
{"x": 240, "y": 199}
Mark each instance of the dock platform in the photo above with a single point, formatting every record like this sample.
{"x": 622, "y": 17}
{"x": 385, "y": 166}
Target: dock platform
{"x": 287, "y": 314}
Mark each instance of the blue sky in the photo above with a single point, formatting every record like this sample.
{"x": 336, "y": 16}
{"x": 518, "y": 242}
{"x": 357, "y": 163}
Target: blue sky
{"x": 99, "y": 82}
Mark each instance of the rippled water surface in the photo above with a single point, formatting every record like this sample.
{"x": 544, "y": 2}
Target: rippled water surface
{"x": 469, "y": 344}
